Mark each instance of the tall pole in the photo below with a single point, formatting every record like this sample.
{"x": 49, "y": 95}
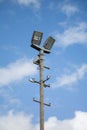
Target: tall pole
{"x": 36, "y": 39}
{"x": 41, "y": 90}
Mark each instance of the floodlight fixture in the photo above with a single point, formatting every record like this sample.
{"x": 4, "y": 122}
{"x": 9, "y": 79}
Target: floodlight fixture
{"x": 36, "y": 40}
{"x": 49, "y": 43}
{"x": 48, "y": 77}
{"x": 32, "y": 80}
{"x": 37, "y": 60}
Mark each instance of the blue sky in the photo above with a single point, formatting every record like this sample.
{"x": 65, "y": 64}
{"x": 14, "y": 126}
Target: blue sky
{"x": 66, "y": 21}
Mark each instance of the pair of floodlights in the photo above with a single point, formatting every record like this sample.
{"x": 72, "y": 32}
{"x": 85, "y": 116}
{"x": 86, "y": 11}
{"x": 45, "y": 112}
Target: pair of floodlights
{"x": 36, "y": 40}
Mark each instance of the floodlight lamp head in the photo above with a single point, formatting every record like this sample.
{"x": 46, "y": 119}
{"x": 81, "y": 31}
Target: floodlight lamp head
{"x": 48, "y": 77}
{"x": 36, "y": 39}
{"x": 37, "y": 60}
{"x": 32, "y": 80}
{"x": 49, "y": 43}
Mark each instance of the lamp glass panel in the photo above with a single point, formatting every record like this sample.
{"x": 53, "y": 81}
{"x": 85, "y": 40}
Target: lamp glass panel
{"x": 36, "y": 38}
{"x": 49, "y": 43}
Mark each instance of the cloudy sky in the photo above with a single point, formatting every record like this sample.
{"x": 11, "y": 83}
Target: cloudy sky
{"x": 66, "y": 21}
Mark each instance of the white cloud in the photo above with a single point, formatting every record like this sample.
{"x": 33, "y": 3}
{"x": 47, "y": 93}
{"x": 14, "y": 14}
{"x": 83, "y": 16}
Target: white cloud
{"x": 20, "y": 121}
{"x": 16, "y": 71}
{"x": 17, "y": 121}
{"x": 35, "y": 3}
{"x": 67, "y": 80}
{"x": 72, "y": 35}
{"x": 77, "y": 123}
{"x": 69, "y": 9}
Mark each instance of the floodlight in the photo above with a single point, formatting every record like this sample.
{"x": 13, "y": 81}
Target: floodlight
{"x": 48, "y": 77}
{"x": 37, "y": 60}
{"x": 32, "y": 80}
{"x": 36, "y": 39}
{"x": 49, "y": 43}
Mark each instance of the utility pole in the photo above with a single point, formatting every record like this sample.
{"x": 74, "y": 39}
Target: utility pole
{"x": 36, "y": 39}
{"x": 41, "y": 90}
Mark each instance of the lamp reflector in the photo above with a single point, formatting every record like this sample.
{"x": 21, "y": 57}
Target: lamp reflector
{"x": 37, "y": 37}
{"x": 49, "y": 43}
